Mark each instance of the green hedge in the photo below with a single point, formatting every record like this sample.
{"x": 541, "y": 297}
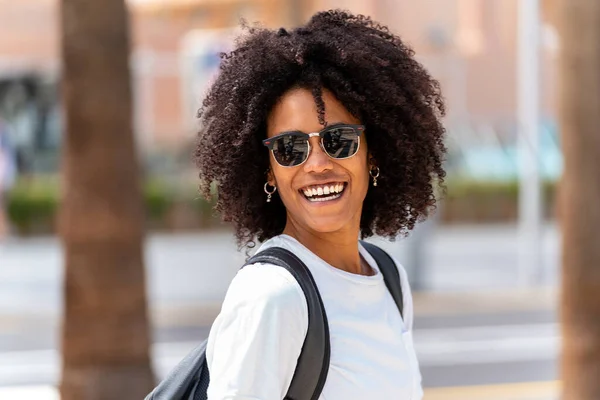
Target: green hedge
{"x": 468, "y": 201}
{"x": 32, "y": 204}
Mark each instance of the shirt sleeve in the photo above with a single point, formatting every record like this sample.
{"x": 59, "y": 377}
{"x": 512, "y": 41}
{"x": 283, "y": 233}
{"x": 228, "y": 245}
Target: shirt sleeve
{"x": 254, "y": 343}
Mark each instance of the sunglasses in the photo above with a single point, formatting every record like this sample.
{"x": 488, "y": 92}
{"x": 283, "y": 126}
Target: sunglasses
{"x": 291, "y": 149}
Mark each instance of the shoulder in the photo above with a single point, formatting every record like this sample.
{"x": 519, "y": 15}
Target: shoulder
{"x": 268, "y": 286}
{"x": 265, "y": 285}
{"x": 261, "y": 298}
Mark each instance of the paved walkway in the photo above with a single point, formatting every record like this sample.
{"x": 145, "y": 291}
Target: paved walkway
{"x": 521, "y": 391}
{"x": 197, "y": 268}
{"x": 469, "y": 271}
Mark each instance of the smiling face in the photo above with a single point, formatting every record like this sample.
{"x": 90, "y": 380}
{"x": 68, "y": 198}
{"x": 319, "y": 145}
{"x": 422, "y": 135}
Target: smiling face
{"x": 303, "y": 189}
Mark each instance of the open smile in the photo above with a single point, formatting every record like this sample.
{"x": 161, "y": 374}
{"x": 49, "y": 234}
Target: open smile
{"x": 325, "y": 192}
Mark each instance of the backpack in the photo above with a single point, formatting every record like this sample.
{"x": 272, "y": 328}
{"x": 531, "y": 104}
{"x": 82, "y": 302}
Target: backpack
{"x": 189, "y": 379}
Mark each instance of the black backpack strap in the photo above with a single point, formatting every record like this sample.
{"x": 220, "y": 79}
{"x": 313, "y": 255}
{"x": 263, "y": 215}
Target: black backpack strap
{"x": 313, "y": 362}
{"x": 388, "y": 268}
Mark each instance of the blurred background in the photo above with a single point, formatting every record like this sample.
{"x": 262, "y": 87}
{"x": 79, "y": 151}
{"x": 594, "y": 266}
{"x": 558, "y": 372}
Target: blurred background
{"x": 484, "y": 268}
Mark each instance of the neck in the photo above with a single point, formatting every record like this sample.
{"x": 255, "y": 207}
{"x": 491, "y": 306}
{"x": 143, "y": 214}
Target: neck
{"x": 339, "y": 248}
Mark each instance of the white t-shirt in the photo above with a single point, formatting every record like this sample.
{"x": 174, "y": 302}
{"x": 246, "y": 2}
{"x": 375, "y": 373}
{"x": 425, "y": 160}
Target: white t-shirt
{"x": 254, "y": 343}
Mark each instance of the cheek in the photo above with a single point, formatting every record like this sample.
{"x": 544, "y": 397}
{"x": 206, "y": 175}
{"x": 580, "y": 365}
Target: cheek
{"x": 361, "y": 168}
{"x": 277, "y": 173}
{"x": 363, "y": 177}
{"x": 283, "y": 178}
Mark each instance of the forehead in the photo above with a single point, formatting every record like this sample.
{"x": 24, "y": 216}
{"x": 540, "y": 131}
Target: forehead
{"x": 297, "y": 110}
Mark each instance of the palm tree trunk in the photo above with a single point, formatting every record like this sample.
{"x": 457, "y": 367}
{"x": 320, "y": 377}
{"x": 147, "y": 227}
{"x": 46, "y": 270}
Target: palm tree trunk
{"x": 105, "y": 338}
{"x": 579, "y": 30}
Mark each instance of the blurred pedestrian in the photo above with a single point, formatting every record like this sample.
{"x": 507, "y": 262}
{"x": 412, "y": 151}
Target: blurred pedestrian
{"x": 7, "y": 175}
{"x": 315, "y": 137}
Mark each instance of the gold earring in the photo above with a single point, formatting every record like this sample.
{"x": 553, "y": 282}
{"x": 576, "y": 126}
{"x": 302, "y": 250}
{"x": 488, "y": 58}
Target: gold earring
{"x": 269, "y": 194}
{"x": 374, "y": 174}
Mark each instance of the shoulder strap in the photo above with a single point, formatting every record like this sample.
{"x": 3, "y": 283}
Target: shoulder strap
{"x": 313, "y": 362}
{"x": 388, "y": 268}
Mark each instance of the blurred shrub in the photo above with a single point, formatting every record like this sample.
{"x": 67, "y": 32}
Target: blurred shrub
{"x": 32, "y": 205}
{"x": 175, "y": 205}
{"x": 468, "y": 201}
{"x": 157, "y": 199}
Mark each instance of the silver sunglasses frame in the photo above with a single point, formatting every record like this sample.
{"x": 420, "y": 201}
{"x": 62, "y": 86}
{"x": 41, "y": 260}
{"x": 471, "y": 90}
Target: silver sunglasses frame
{"x": 360, "y": 128}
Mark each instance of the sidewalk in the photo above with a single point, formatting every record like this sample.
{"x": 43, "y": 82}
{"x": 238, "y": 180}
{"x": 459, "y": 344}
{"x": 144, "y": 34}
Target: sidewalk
{"x": 452, "y": 305}
{"x": 512, "y": 391}
{"x": 518, "y": 391}
{"x": 485, "y": 301}
{"x": 29, "y": 393}
{"x": 471, "y": 275}
{"x": 426, "y": 303}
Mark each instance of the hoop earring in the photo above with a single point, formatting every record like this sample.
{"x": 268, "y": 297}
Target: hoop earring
{"x": 374, "y": 174}
{"x": 269, "y": 194}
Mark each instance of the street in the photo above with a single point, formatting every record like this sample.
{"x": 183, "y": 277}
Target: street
{"x": 474, "y": 325}
{"x": 470, "y": 350}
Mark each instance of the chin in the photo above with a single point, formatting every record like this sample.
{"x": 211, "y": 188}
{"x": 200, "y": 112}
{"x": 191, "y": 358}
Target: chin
{"x": 327, "y": 226}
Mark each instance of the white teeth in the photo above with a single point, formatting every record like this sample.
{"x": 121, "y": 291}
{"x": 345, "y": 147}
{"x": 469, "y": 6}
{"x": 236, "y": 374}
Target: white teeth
{"x": 323, "y": 191}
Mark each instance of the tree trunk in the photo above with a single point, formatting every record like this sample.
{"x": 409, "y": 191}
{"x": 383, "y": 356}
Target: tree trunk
{"x": 579, "y": 29}
{"x": 105, "y": 338}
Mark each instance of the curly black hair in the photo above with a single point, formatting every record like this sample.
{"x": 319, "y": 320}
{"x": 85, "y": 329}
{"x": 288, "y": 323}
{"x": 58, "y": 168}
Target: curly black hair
{"x": 371, "y": 72}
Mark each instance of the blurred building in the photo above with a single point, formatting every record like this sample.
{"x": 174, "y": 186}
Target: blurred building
{"x": 469, "y": 45}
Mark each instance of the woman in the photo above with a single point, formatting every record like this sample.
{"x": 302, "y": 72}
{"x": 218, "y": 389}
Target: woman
{"x": 316, "y": 137}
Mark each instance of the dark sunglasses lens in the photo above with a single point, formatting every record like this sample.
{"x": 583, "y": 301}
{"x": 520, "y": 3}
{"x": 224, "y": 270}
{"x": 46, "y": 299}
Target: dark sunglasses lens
{"x": 341, "y": 142}
{"x": 290, "y": 150}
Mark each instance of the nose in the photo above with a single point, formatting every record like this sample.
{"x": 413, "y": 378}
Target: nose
{"x": 318, "y": 161}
